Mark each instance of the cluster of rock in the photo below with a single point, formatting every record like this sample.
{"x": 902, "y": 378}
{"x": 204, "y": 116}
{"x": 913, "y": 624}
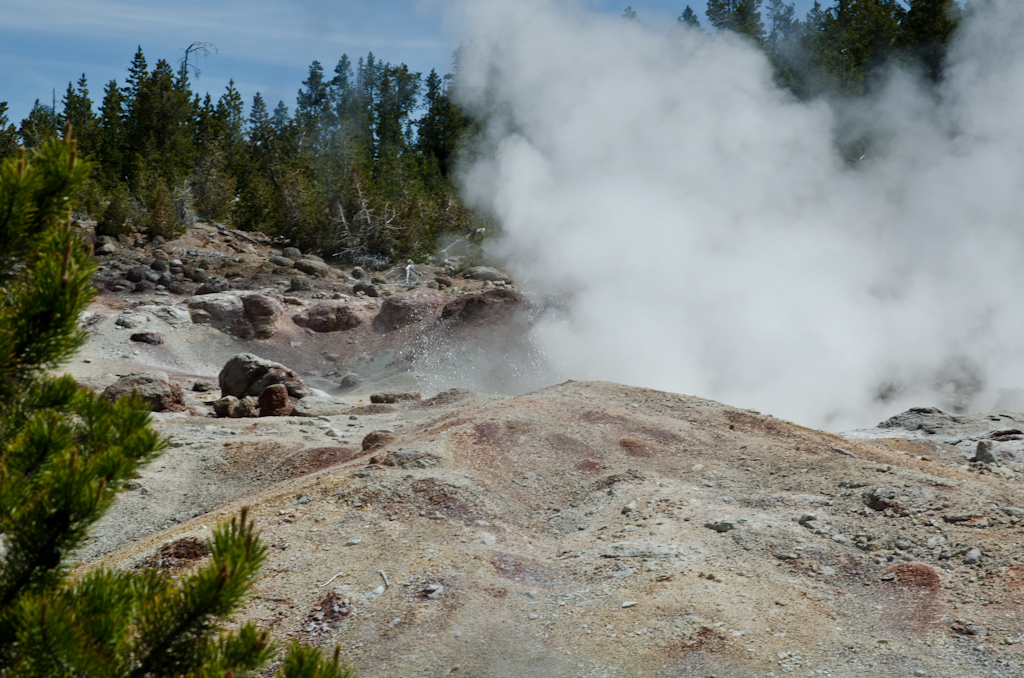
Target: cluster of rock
{"x": 251, "y": 386}
{"x": 310, "y": 264}
{"x": 162, "y": 272}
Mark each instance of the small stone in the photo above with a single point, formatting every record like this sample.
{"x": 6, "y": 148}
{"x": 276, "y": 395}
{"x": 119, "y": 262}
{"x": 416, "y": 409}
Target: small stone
{"x": 159, "y": 265}
{"x": 203, "y": 386}
{"x": 973, "y": 557}
{"x": 839, "y": 538}
{"x": 533, "y": 615}
{"x": 352, "y": 542}
{"x": 883, "y": 468}
{"x": 719, "y": 525}
{"x": 293, "y": 253}
{"x": 629, "y": 603}
{"x": 151, "y": 338}
{"x": 629, "y": 508}
{"x": 983, "y": 453}
{"x": 368, "y": 290}
{"x": 300, "y": 283}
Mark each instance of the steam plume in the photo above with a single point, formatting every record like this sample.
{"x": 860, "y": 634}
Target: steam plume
{"x": 710, "y": 237}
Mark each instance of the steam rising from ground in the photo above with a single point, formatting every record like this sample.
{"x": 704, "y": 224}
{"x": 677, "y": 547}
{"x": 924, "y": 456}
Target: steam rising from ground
{"x": 710, "y": 237}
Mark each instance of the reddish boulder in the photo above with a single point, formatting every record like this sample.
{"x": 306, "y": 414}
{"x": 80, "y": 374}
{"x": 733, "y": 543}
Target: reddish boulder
{"x": 248, "y": 375}
{"x": 153, "y": 338}
{"x": 406, "y": 308}
{"x": 329, "y": 318}
{"x": 274, "y": 401}
{"x": 494, "y": 306}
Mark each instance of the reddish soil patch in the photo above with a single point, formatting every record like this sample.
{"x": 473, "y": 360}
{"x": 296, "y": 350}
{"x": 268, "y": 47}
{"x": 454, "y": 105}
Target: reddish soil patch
{"x": 915, "y": 576}
{"x": 519, "y": 569}
{"x": 632, "y": 427}
{"x": 443, "y": 499}
{"x": 313, "y": 459}
{"x": 589, "y": 466}
{"x": 323, "y": 618}
{"x": 750, "y": 423}
{"x": 559, "y": 442}
{"x": 178, "y": 555}
{"x": 635, "y": 447}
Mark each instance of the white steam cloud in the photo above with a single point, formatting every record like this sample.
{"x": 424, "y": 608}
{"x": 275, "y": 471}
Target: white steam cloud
{"x": 710, "y": 237}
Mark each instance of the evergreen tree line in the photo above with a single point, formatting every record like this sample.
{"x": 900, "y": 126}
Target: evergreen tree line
{"x": 836, "y": 51}
{"x": 362, "y": 168}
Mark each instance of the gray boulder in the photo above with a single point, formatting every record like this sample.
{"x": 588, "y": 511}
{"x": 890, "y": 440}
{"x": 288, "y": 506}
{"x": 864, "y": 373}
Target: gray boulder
{"x": 214, "y": 285}
{"x": 485, "y": 273}
{"x": 313, "y": 267}
{"x": 217, "y": 308}
{"x": 984, "y": 453}
{"x": 320, "y": 406}
{"x": 293, "y": 253}
{"x": 283, "y": 262}
{"x": 245, "y": 316}
{"x": 153, "y": 387}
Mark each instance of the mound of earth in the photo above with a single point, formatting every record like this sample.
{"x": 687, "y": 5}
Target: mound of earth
{"x": 594, "y": 529}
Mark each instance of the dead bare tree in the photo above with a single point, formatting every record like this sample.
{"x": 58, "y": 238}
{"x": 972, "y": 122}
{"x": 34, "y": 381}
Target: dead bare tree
{"x": 200, "y": 49}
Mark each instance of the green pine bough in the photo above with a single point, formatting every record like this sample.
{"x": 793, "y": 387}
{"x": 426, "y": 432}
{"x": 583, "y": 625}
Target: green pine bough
{"x": 65, "y": 452}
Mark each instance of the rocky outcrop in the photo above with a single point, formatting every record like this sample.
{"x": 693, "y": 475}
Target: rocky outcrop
{"x": 329, "y": 317}
{"x": 492, "y": 306}
{"x": 249, "y": 375}
{"x": 485, "y": 273}
{"x": 154, "y": 387}
{"x": 407, "y": 308}
{"x": 245, "y": 316}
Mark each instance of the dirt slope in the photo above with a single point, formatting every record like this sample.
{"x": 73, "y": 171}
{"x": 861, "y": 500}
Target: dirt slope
{"x": 569, "y": 532}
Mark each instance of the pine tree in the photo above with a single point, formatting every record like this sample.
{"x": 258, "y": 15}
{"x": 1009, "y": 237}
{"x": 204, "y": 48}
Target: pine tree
{"x": 78, "y": 112}
{"x": 110, "y": 136}
{"x": 853, "y": 39}
{"x": 40, "y": 126}
{"x": 65, "y": 451}
{"x": 689, "y": 18}
{"x": 739, "y": 16}
{"x": 8, "y": 133}
{"x": 442, "y": 125}
{"x": 925, "y": 33}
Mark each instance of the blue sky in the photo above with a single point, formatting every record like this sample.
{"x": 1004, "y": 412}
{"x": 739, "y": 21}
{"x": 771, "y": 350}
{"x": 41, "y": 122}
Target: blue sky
{"x": 264, "y": 45}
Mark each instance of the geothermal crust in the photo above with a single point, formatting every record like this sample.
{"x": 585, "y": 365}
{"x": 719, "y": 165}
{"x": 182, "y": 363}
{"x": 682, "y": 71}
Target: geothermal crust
{"x": 583, "y": 529}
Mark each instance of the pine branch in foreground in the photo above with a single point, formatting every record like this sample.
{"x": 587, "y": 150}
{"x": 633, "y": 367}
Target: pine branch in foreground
{"x": 65, "y": 452}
